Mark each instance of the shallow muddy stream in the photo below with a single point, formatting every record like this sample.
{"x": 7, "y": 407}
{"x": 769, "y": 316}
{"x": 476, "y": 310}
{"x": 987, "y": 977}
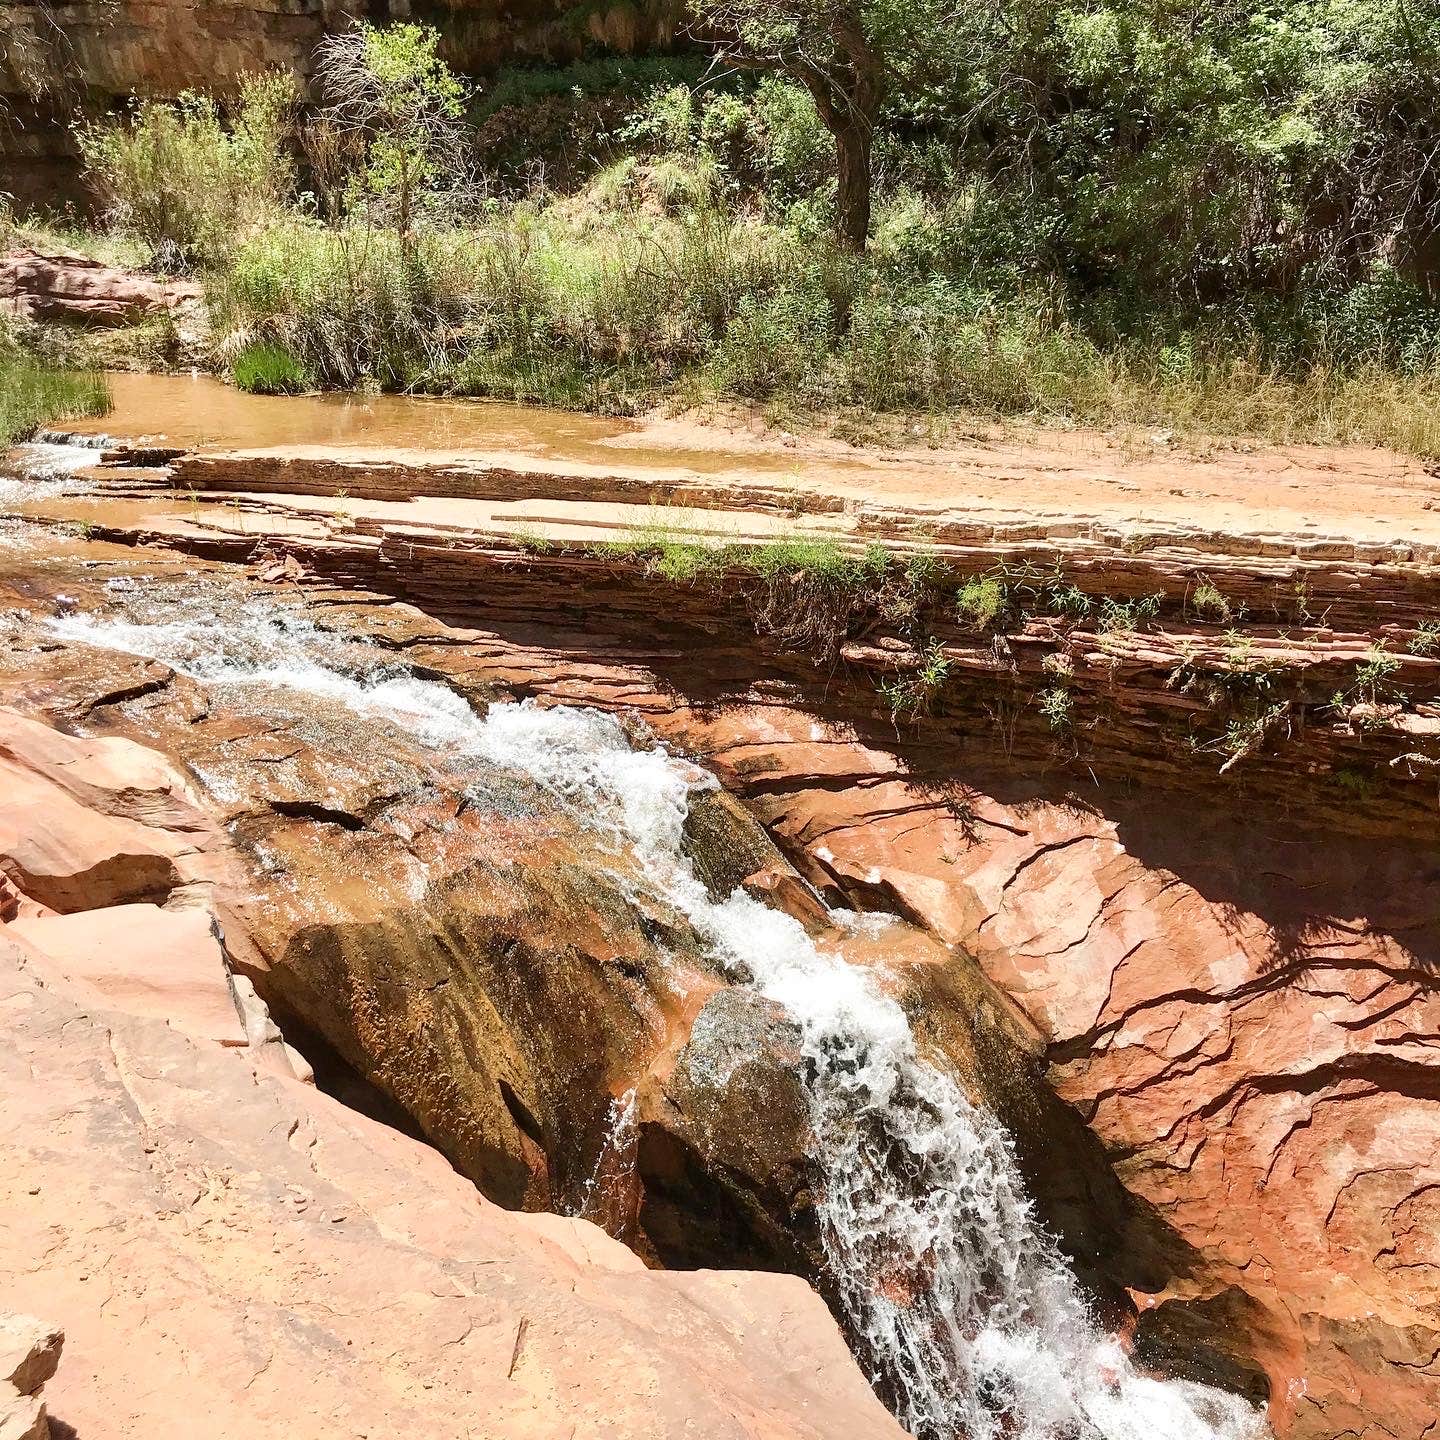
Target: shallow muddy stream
{"x": 199, "y": 411}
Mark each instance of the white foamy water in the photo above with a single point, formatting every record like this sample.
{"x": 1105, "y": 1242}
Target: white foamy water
{"x": 41, "y": 467}
{"x": 962, "y": 1304}
{"x": 605, "y": 1192}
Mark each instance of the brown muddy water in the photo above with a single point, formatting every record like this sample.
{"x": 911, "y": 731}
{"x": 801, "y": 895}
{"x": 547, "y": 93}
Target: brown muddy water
{"x": 199, "y": 412}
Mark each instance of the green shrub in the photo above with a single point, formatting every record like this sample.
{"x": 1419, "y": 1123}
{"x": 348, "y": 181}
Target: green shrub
{"x": 912, "y": 693}
{"x": 981, "y": 601}
{"x": 777, "y": 344}
{"x": 175, "y": 177}
{"x": 265, "y": 368}
{"x": 1056, "y": 707}
{"x": 351, "y": 304}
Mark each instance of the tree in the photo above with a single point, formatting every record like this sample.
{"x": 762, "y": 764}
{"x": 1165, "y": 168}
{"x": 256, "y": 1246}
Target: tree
{"x": 848, "y": 54}
{"x": 388, "y": 92}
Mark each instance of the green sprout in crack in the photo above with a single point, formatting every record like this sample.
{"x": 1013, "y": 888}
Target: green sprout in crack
{"x": 531, "y": 540}
{"x": 913, "y": 692}
{"x": 1057, "y": 707}
{"x": 1117, "y": 616}
{"x": 1067, "y": 599}
{"x": 1373, "y": 676}
{"x": 980, "y": 602}
{"x": 1209, "y": 601}
{"x": 1426, "y": 640}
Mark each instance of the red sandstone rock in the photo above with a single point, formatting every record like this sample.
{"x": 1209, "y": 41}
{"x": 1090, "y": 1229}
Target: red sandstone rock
{"x": 23, "y": 1417}
{"x": 145, "y": 961}
{"x": 1246, "y": 1020}
{"x": 29, "y": 1353}
{"x": 87, "y": 823}
{"x": 295, "y": 1268}
{"x": 1243, "y": 1012}
{"x": 75, "y": 288}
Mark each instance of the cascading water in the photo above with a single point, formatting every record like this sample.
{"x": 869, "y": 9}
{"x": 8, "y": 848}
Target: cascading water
{"x": 959, "y": 1300}
{"x": 47, "y": 464}
{"x": 605, "y": 1196}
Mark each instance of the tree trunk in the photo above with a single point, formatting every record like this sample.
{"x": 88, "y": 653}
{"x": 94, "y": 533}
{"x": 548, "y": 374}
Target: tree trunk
{"x": 852, "y": 204}
{"x": 847, "y": 99}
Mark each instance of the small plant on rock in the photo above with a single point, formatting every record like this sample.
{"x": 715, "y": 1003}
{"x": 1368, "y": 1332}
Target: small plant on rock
{"x": 1119, "y": 616}
{"x": 981, "y": 601}
{"x": 532, "y": 541}
{"x": 1066, "y": 598}
{"x": 1426, "y": 640}
{"x": 1247, "y": 733}
{"x": 1057, "y": 707}
{"x": 1209, "y": 601}
{"x": 1374, "y": 680}
{"x": 914, "y": 692}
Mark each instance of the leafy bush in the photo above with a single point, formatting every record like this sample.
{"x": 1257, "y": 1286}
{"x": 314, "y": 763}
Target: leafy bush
{"x": 182, "y": 183}
{"x": 348, "y": 305}
{"x": 401, "y": 109}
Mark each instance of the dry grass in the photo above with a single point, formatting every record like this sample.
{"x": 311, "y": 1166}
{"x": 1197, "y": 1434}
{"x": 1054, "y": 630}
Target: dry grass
{"x": 1365, "y": 404}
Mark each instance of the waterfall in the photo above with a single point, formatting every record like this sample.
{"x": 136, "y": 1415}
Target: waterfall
{"x": 960, "y": 1301}
{"x": 605, "y": 1197}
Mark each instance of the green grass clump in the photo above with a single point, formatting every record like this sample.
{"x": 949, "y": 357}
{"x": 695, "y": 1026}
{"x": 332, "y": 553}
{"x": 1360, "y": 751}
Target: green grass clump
{"x": 823, "y": 561}
{"x": 32, "y": 395}
{"x": 980, "y": 601}
{"x": 264, "y": 368}
{"x": 1209, "y": 601}
{"x": 664, "y": 552}
{"x": 804, "y": 591}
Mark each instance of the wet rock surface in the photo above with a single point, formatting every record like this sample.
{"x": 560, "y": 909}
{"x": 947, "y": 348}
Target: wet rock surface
{"x": 722, "y": 1143}
{"x": 483, "y": 964}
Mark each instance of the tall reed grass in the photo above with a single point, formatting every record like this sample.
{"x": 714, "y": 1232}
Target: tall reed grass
{"x": 32, "y": 395}
{"x": 609, "y": 312}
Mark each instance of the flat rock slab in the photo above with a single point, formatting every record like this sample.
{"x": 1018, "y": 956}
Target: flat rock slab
{"x": 143, "y": 960}
{"x": 221, "y": 1243}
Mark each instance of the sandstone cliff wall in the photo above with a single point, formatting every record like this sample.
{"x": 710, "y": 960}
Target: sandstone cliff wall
{"x": 57, "y": 60}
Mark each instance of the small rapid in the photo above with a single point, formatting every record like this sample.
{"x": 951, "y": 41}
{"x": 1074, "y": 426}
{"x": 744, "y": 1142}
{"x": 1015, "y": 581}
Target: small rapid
{"x": 960, "y": 1303}
{"x": 46, "y": 465}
